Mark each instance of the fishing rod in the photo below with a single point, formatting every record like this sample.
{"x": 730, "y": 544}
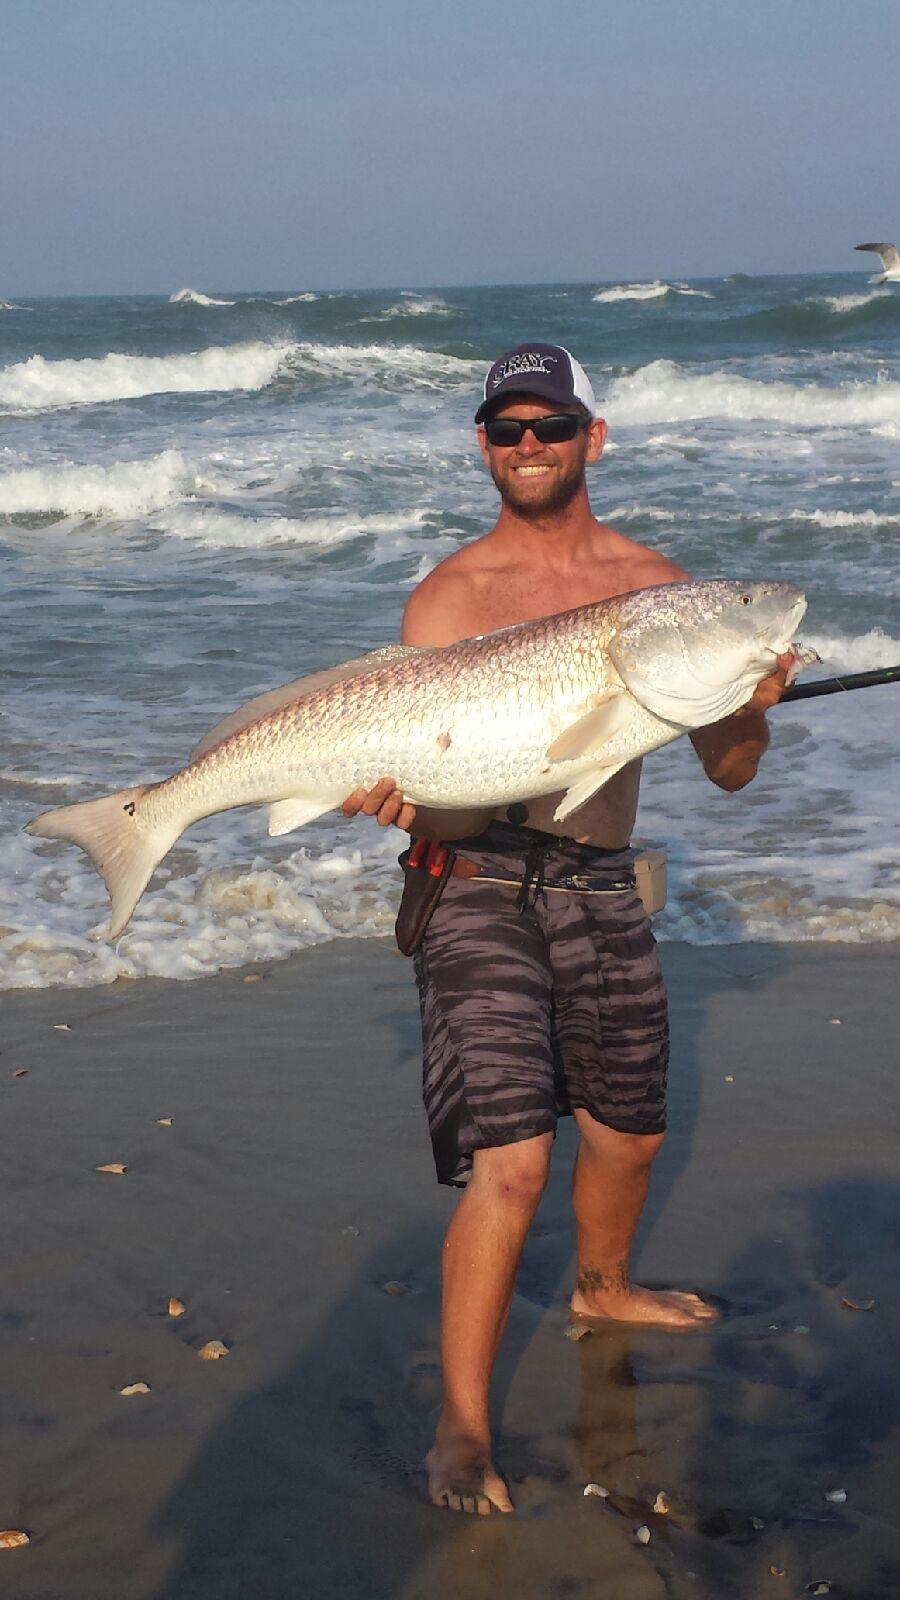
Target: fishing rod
{"x": 853, "y": 680}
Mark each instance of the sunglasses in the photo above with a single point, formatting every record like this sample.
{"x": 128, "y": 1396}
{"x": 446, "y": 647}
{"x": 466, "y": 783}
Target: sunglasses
{"x": 507, "y": 431}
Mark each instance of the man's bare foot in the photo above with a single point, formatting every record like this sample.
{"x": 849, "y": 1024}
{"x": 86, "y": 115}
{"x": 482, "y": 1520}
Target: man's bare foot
{"x": 462, "y": 1476}
{"x": 612, "y": 1298}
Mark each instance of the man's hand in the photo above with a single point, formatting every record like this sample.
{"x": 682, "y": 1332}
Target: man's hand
{"x": 769, "y": 690}
{"x": 384, "y": 801}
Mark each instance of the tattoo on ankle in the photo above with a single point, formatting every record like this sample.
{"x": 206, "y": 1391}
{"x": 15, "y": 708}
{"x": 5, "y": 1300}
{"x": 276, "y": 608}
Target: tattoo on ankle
{"x": 593, "y": 1280}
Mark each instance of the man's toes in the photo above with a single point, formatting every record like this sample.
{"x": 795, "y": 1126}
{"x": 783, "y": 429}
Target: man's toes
{"x": 454, "y": 1500}
{"x": 483, "y": 1506}
{"x": 468, "y": 1503}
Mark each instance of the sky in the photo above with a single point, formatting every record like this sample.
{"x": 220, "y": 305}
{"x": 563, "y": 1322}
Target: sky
{"x": 263, "y": 144}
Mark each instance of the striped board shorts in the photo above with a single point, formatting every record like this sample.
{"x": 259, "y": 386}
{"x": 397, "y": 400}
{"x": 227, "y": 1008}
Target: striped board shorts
{"x": 528, "y": 1014}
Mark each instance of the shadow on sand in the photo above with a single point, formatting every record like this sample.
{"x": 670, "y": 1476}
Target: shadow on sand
{"x": 312, "y": 1486}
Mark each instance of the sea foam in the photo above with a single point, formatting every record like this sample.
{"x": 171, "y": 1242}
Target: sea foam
{"x": 647, "y": 291}
{"x": 194, "y": 297}
{"x": 123, "y": 490}
{"x": 41, "y": 385}
{"x": 664, "y": 392}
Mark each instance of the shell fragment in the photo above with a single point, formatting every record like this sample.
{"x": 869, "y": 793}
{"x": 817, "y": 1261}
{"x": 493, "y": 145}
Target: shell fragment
{"x": 213, "y": 1351}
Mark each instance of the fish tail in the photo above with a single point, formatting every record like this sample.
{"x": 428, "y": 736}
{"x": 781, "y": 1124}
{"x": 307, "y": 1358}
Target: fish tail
{"x": 123, "y": 847}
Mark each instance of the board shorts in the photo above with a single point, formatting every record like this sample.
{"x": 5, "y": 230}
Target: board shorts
{"x": 536, "y": 1004}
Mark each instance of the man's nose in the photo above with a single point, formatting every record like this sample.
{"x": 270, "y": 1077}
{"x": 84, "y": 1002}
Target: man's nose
{"x": 528, "y": 444}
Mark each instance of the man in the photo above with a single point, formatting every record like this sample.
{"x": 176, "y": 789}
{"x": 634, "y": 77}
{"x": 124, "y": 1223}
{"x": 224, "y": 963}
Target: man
{"x": 538, "y": 999}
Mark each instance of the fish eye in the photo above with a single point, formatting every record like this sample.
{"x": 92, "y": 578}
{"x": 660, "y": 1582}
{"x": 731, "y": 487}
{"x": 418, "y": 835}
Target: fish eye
{"x": 746, "y": 599}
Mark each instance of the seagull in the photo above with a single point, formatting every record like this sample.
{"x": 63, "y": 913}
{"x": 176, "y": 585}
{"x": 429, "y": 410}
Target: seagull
{"x": 890, "y": 260}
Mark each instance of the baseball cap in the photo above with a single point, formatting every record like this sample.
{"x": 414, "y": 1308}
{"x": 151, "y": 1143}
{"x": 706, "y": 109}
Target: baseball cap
{"x": 547, "y": 370}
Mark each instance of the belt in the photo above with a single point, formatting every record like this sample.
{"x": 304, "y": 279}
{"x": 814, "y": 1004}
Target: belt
{"x": 532, "y": 880}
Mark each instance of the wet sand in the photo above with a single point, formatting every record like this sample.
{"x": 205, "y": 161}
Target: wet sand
{"x": 295, "y": 1181}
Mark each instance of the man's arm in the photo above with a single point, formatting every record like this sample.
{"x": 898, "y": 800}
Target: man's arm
{"x": 732, "y": 749}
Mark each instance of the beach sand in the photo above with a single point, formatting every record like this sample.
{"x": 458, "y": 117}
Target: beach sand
{"x": 296, "y": 1181}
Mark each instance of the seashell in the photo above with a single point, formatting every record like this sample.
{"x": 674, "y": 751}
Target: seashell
{"x": 729, "y": 1078}
{"x": 836, "y": 1497}
{"x": 819, "y": 1586}
{"x": 596, "y": 1489}
{"x": 164, "y": 1122}
{"x": 757, "y": 1523}
{"x": 576, "y": 1330}
{"x": 394, "y": 1287}
{"x": 21, "y": 1072}
{"x": 800, "y": 1327}
{"x": 213, "y": 1351}
{"x": 857, "y": 1305}
{"x": 62, "y": 1027}
{"x": 113, "y": 1166}
{"x": 835, "y": 1021}
{"x": 642, "y": 1534}
{"x": 12, "y": 1538}
{"x": 175, "y": 1307}
{"x": 135, "y": 1388}
{"x": 662, "y": 1503}
{"x": 777, "y": 1572}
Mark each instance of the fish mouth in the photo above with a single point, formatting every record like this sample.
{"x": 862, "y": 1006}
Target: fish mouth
{"x": 777, "y": 639}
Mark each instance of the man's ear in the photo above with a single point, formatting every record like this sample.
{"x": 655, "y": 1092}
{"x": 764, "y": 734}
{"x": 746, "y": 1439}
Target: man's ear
{"x": 596, "y": 435}
{"x": 481, "y": 436}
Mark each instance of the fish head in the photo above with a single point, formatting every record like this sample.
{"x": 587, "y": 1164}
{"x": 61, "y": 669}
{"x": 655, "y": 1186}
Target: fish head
{"x": 693, "y": 652}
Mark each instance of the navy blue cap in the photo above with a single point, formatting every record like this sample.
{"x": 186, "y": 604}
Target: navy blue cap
{"x": 546, "y": 370}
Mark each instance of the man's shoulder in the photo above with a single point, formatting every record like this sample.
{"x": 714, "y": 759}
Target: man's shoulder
{"x": 438, "y": 610}
{"x": 645, "y": 565}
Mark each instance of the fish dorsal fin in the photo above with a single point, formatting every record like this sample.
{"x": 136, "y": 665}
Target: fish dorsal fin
{"x": 591, "y": 732}
{"x": 298, "y": 689}
{"x": 585, "y": 787}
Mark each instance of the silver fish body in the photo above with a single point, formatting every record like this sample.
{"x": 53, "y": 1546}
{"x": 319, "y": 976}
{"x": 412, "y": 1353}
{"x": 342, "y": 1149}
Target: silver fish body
{"x": 561, "y": 703}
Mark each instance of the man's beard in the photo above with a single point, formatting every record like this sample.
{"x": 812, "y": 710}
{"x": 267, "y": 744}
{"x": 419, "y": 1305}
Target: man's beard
{"x": 563, "y": 492}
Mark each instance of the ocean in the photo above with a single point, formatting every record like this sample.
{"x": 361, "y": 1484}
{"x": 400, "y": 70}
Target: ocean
{"x": 202, "y": 499}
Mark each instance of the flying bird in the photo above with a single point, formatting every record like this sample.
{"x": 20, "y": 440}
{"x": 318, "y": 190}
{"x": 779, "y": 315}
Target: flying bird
{"x": 890, "y": 260}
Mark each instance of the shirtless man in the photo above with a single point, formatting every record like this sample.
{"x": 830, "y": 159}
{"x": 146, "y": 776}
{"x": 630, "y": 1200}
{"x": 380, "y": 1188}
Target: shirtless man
{"x": 491, "y": 967}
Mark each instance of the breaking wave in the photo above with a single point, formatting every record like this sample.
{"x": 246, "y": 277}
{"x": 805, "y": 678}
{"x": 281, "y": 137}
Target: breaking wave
{"x": 385, "y": 363}
{"x": 296, "y": 299}
{"x": 664, "y": 392}
{"x": 41, "y": 385}
{"x": 124, "y": 490}
{"x": 412, "y": 305}
{"x": 225, "y": 529}
{"x": 194, "y": 297}
{"x": 862, "y": 652}
{"x": 647, "y": 291}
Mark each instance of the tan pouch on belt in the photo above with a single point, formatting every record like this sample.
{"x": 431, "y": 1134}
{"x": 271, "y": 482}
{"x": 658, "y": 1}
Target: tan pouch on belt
{"x": 650, "y": 878}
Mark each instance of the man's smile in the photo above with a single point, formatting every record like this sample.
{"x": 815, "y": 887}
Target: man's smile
{"x": 532, "y": 471}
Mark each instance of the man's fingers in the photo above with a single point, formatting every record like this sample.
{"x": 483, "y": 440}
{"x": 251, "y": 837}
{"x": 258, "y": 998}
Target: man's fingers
{"x": 383, "y": 801}
{"x": 353, "y": 803}
{"x": 376, "y": 796}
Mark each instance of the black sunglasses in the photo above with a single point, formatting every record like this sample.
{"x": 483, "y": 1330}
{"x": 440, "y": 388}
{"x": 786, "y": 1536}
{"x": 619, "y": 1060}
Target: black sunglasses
{"x": 508, "y": 431}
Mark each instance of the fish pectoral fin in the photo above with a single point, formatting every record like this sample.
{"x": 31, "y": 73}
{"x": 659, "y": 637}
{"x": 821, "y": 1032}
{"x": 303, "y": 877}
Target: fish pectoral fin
{"x": 591, "y": 732}
{"x": 286, "y": 815}
{"x": 585, "y": 787}
{"x": 298, "y": 689}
